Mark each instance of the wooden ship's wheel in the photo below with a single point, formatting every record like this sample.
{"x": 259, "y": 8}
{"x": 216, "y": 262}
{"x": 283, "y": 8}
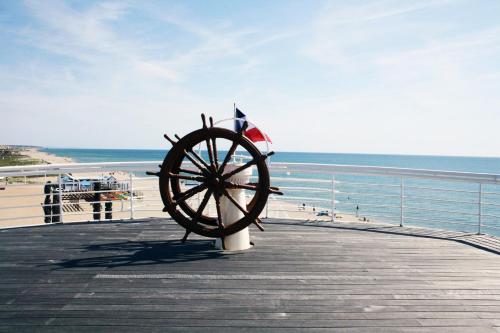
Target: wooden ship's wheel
{"x": 191, "y": 186}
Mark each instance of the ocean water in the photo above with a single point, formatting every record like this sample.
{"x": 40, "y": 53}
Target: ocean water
{"x": 424, "y": 206}
{"x": 448, "y": 163}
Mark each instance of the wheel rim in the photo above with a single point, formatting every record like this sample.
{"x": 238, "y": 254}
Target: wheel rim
{"x": 213, "y": 180}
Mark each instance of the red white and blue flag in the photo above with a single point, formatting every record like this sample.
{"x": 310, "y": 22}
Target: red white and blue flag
{"x": 252, "y": 133}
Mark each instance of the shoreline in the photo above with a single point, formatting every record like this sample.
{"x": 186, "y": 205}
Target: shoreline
{"x": 278, "y": 208}
{"x": 47, "y": 158}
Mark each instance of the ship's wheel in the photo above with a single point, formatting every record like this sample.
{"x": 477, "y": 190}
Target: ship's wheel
{"x": 192, "y": 186}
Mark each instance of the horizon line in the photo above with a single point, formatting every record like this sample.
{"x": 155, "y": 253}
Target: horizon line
{"x": 288, "y": 151}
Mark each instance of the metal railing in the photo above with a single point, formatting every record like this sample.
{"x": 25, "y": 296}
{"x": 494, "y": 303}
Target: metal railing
{"x": 442, "y": 199}
{"x": 431, "y": 198}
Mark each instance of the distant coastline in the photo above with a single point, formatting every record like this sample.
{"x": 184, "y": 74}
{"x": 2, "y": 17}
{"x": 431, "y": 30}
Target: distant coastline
{"x": 47, "y": 158}
{"x": 449, "y": 163}
{"x": 17, "y": 155}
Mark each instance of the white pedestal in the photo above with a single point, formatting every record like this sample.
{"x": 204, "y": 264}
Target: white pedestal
{"x": 230, "y": 213}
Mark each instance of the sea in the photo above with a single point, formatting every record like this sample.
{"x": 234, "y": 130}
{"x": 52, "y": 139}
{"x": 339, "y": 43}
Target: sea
{"x": 427, "y": 203}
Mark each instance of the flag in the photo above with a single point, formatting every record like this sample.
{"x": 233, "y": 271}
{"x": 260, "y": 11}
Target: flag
{"x": 252, "y": 133}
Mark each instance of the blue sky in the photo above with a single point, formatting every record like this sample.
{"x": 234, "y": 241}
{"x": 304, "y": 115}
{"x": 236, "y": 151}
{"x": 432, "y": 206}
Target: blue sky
{"x": 404, "y": 77}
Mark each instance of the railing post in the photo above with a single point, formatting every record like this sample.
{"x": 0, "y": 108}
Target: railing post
{"x": 47, "y": 203}
{"x": 333, "y": 198}
{"x": 401, "y": 202}
{"x": 131, "y": 188}
{"x": 96, "y": 206}
{"x": 267, "y": 202}
{"x": 480, "y": 209}
{"x": 60, "y": 198}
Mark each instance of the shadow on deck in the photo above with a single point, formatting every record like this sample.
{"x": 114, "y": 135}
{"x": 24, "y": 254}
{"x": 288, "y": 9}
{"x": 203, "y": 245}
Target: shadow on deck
{"x": 139, "y": 253}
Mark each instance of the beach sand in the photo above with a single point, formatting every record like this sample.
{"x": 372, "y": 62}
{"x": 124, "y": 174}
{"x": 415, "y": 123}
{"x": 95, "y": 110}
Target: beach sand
{"x": 148, "y": 204}
{"x": 35, "y": 153}
{"x": 29, "y": 198}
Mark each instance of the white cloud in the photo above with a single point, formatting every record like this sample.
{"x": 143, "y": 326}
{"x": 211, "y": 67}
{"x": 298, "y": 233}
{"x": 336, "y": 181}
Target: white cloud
{"x": 387, "y": 81}
{"x": 91, "y": 37}
{"x": 87, "y": 30}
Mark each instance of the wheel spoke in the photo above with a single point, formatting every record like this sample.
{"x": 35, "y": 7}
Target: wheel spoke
{"x": 239, "y": 169}
{"x": 189, "y": 193}
{"x": 178, "y": 176}
{"x": 191, "y": 172}
{"x": 203, "y": 204}
{"x": 202, "y": 169}
{"x": 230, "y": 197}
{"x": 216, "y": 158}
{"x": 210, "y": 154}
{"x": 258, "y": 223}
{"x": 228, "y": 157}
{"x": 249, "y": 186}
{"x": 217, "y": 206}
{"x": 183, "y": 240}
{"x": 200, "y": 159}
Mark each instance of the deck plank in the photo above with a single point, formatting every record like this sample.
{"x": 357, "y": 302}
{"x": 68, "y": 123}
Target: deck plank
{"x": 354, "y": 277}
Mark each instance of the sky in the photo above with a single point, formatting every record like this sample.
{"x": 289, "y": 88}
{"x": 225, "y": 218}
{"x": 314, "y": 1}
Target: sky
{"x": 384, "y": 77}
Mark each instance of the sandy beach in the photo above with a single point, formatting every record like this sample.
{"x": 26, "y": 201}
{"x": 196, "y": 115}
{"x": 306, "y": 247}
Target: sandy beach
{"x": 25, "y": 200}
{"x": 35, "y": 153}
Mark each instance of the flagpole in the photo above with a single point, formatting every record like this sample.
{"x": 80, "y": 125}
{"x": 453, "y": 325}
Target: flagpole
{"x": 268, "y": 160}
{"x": 234, "y": 115}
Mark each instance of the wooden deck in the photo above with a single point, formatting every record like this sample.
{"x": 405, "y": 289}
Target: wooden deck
{"x": 137, "y": 277}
